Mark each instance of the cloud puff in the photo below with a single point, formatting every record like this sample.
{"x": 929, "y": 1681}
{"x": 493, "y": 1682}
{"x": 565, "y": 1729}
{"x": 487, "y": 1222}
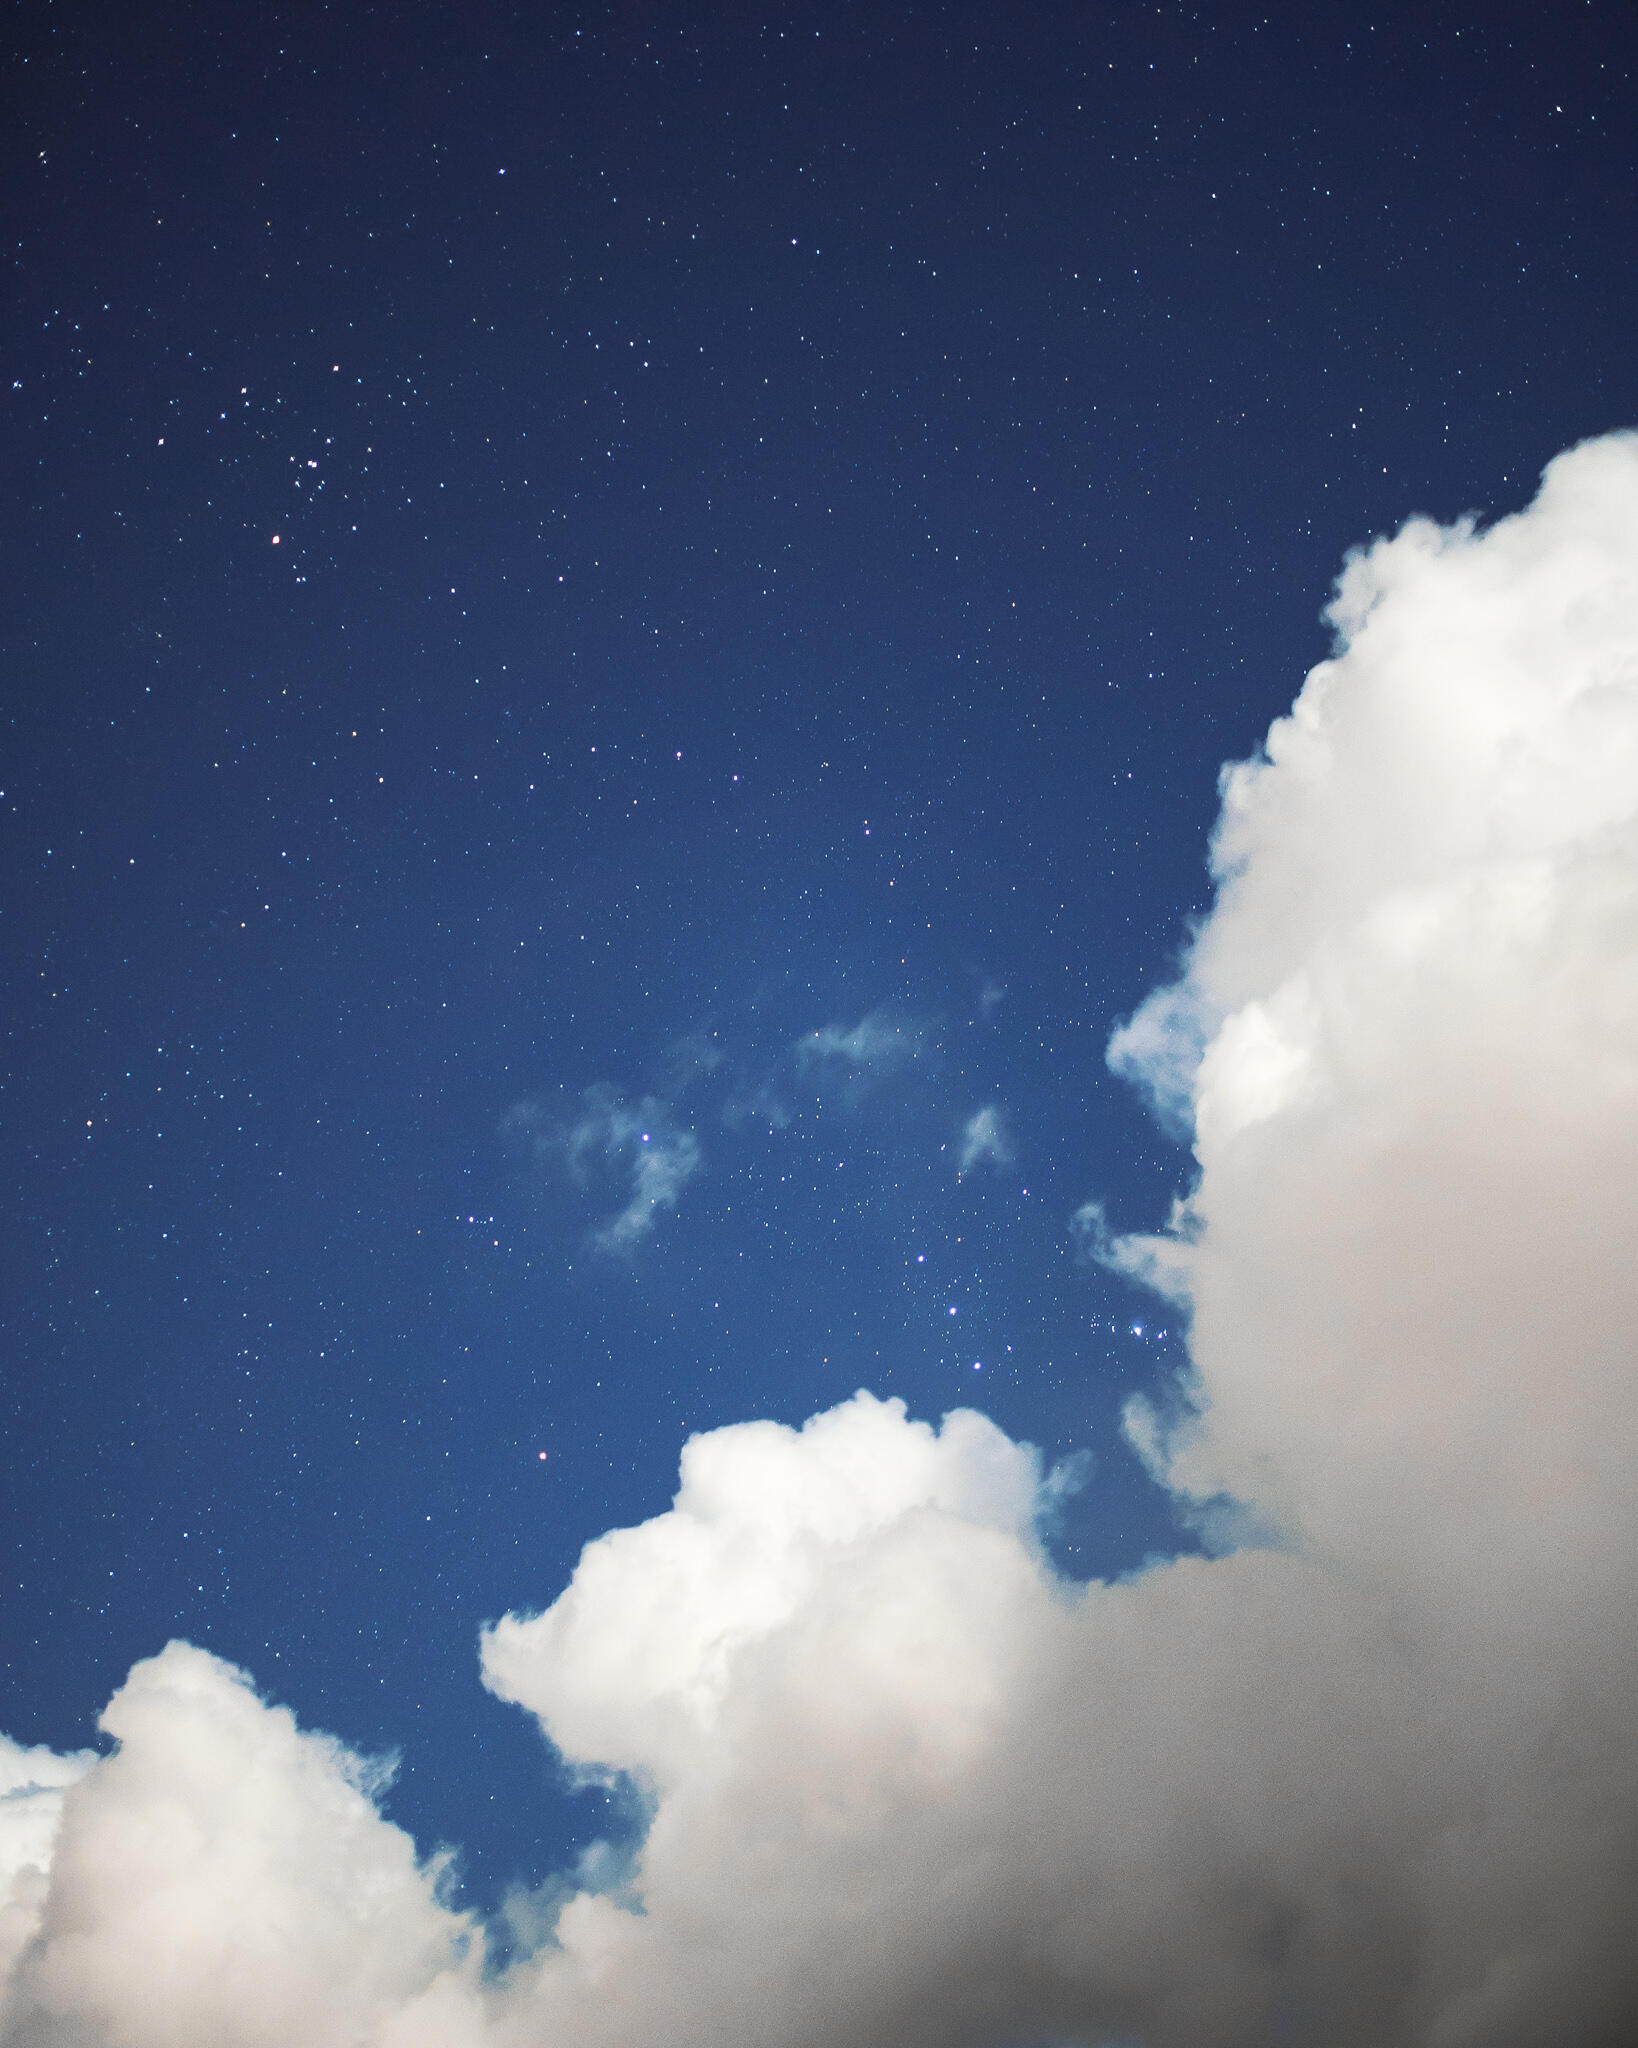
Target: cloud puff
{"x": 631, "y": 1668}
{"x": 1158, "y": 1050}
{"x": 984, "y": 1138}
{"x": 1413, "y": 1114}
{"x": 32, "y": 1784}
{"x": 1370, "y": 1783}
{"x": 762, "y": 1102}
{"x": 614, "y": 1141}
{"x": 226, "y": 1878}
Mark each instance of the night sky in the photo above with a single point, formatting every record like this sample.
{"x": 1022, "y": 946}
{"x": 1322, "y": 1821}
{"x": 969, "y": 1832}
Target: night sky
{"x": 618, "y": 633}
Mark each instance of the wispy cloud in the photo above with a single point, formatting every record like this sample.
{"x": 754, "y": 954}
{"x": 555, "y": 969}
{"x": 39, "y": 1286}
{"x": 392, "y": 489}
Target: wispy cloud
{"x": 661, "y": 1156}
{"x": 615, "y": 1142}
{"x": 984, "y": 1140}
{"x": 860, "y": 1057}
{"x": 1158, "y": 1260}
{"x": 843, "y": 1063}
{"x": 765, "y": 1101}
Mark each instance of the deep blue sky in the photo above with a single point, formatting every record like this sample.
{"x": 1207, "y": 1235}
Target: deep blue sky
{"x": 778, "y": 519}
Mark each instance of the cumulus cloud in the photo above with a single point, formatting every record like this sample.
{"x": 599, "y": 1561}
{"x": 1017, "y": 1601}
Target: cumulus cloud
{"x": 984, "y": 1138}
{"x": 225, "y": 1877}
{"x": 631, "y": 1669}
{"x": 1369, "y": 1781}
{"x": 638, "y": 1146}
{"x": 32, "y": 1784}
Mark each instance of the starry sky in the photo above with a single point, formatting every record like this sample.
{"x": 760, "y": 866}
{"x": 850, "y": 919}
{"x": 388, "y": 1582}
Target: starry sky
{"x": 618, "y": 632}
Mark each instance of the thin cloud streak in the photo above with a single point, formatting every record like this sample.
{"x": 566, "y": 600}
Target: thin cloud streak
{"x": 863, "y": 1055}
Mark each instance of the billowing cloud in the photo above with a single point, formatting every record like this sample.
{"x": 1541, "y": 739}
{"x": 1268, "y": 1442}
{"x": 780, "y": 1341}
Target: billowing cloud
{"x": 224, "y": 1877}
{"x": 1369, "y": 1781}
{"x": 984, "y": 1139}
{"x": 32, "y": 1784}
{"x": 631, "y": 1669}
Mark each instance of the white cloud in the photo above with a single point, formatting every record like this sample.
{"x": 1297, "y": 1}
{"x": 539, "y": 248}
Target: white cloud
{"x": 32, "y": 1784}
{"x": 1369, "y": 1785}
{"x": 632, "y": 1667}
{"x": 984, "y": 1138}
{"x": 1411, "y": 1118}
{"x": 225, "y": 1878}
